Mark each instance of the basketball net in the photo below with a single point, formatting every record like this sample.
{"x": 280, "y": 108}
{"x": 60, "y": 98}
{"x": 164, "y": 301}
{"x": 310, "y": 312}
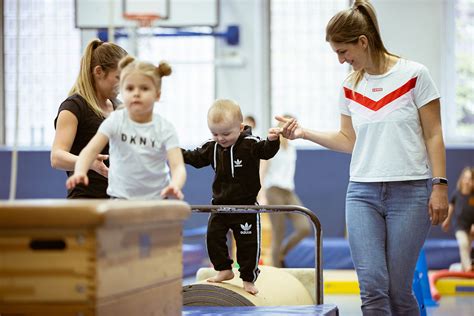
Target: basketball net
{"x": 143, "y": 29}
{"x": 142, "y": 20}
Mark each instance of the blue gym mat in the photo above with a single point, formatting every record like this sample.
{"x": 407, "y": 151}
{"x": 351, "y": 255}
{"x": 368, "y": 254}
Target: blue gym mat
{"x": 320, "y": 310}
{"x": 440, "y": 254}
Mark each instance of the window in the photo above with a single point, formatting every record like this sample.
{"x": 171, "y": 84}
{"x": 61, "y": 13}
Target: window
{"x": 48, "y": 65}
{"x": 305, "y": 74}
{"x": 190, "y": 90}
{"x": 460, "y": 79}
{"x": 49, "y": 60}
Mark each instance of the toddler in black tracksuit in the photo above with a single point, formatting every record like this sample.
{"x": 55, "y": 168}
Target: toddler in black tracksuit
{"x": 235, "y": 155}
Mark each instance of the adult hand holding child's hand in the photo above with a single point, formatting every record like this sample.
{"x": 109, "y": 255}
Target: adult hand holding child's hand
{"x": 290, "y": 128}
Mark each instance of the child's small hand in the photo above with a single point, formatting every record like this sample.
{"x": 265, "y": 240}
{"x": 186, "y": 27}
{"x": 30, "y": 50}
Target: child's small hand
{"x": 445, "y": 225}
{"x": 76, "y": 179}
{"x": 273, "y": 133}
{"x": 172, "y": 191}
{"x": 262, "y": 197}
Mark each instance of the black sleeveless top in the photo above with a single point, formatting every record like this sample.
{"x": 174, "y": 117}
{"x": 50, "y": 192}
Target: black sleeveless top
{"x": 463, "y": 217}
{"x": 88, "y": 124}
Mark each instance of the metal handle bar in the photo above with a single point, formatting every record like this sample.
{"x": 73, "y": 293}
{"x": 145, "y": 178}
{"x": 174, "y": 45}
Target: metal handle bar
{"x": 279, "y": 209}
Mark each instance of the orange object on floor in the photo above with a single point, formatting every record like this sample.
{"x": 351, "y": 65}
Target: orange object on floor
{"x": 446, "y": 274}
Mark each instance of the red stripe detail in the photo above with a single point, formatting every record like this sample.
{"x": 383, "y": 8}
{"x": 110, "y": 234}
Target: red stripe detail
{"x": 377, "y": 105}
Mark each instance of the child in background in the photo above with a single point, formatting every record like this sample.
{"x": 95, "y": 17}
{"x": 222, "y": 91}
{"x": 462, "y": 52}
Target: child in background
{"x": 250, "y": 121}
{"x": 141, "y": 142}
{"x": 278, "y": 181}
{"x": 235, "y": 155}
{"x": 461, "y": 213}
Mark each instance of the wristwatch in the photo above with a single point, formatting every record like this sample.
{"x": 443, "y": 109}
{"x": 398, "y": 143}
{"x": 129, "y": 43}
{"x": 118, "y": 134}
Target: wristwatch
{"x": 439, "y": 180}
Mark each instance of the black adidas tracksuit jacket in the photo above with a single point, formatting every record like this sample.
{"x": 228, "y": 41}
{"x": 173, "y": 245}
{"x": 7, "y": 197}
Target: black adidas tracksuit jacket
{"x": 236, "y": 182}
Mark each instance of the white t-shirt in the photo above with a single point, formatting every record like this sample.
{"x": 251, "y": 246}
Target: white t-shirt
{"x": 384, "y": 111}
{"x": 281, "y": 169}
{"x": 138, "y": 155}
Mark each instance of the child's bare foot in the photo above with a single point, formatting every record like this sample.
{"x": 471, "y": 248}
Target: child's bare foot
{"x": 222, "y": 276}
{"x": 250, "y": 287}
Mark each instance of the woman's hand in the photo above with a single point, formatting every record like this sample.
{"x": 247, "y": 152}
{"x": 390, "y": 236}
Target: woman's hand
{"x": 438, "y": 205}
{"x": 290, "y": 129}
{"x": 99, "y": 166}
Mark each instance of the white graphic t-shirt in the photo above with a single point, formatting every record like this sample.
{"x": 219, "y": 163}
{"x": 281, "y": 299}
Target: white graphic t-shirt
{"x": 138, "y": 155}
{"x": 384, "y": 112}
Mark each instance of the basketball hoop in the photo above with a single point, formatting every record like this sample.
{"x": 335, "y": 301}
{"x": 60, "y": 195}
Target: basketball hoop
{"x": 143, "y": 20}
{"x": 143, "y": 31}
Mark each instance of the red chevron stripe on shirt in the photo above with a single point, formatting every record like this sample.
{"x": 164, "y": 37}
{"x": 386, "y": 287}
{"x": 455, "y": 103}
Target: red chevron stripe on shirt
{"x": 377, "y": 105}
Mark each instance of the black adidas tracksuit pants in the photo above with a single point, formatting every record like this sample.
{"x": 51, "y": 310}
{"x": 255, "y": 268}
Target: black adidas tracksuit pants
{"x": 247, "y": 234}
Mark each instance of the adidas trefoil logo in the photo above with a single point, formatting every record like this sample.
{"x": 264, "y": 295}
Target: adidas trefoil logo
{"x": 246, "y": 229}
{"x": 238, "y": 164}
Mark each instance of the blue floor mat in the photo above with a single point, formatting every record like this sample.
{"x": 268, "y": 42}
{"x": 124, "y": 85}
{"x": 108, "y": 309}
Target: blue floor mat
{"x": 440, "y": 254}
{"x": 326, "y": 310}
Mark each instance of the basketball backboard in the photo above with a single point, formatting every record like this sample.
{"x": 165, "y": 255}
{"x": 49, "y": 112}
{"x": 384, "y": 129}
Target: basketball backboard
{"x": 94, "y": 14}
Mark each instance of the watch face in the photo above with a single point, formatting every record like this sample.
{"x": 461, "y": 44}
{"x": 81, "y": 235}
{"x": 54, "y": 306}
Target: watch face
{"x": 439, "y": 181}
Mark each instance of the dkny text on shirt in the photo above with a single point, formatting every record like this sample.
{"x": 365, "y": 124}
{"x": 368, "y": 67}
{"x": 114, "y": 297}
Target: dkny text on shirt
{"x": 137, "y": 140}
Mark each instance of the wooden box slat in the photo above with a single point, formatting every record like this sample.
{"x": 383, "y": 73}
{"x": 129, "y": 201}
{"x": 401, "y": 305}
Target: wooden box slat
{"x": 43, "y": 309}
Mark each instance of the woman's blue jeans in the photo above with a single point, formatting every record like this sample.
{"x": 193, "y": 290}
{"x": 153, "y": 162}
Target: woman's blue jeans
{"x": 387, "y": 224}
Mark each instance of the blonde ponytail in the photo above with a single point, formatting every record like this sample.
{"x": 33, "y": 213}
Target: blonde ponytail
{"x": 97, "y": 53}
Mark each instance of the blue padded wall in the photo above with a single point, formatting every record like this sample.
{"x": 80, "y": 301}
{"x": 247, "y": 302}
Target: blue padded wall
{"x": 35, "y": 180}
{"x": 321, "y": 181}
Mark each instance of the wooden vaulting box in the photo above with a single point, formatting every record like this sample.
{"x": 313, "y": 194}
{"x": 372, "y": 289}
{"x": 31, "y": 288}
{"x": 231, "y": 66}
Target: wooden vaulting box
{"x": 87, "y": 257}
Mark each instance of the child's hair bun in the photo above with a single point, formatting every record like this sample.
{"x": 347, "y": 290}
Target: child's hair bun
{"x": 124, "y": 62}
{"x": 164, "y": 69}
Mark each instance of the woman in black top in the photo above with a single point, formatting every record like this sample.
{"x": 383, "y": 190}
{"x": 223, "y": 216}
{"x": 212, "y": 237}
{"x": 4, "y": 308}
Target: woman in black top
{"x": 90, "y": 101}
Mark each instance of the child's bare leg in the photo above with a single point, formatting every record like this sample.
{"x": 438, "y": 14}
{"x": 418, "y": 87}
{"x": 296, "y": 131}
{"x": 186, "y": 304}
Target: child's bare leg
{"x": 250, "y": 287}
{"x": 222, "y": 276}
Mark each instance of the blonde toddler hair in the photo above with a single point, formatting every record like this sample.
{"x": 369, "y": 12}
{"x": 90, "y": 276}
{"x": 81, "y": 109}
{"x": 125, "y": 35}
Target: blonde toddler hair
{"x": 130, "y": 65}
{"x": 224, "y": 110}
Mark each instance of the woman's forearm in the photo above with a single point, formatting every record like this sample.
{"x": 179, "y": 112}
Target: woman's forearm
{"x": 436, "y": 155}
{"x": 63, "y": 160}
{"x": 337, "y": 141}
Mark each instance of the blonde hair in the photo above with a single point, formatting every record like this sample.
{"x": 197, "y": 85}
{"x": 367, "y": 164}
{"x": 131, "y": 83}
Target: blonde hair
{"x": 466, "y": 169}
{"x": 97, "y": 53}
{"x": 130, "y": 65}
{"x": 348, "y": 25}
{"x": 224, "y": 110}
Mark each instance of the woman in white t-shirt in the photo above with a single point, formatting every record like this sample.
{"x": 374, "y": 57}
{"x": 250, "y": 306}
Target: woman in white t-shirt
{"x": 390, "y": 122}
{"x": 278, "y": 185}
